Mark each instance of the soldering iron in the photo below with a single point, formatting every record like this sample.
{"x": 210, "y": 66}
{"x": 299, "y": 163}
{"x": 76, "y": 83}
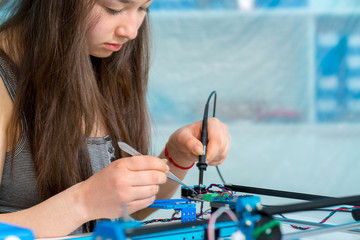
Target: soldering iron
{"x": 202, "y": 165}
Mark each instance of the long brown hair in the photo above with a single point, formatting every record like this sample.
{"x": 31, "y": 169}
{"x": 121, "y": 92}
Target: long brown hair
{"x": 61, "y": 95}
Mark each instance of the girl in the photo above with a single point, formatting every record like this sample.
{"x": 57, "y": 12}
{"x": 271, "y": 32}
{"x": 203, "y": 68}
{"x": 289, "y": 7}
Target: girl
{"x": 73, "y": 83}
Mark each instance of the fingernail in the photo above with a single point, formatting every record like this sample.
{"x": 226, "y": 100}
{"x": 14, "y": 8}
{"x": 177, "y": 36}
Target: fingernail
{"x": 198, "y": 150}
{"x": 167, "y": 166}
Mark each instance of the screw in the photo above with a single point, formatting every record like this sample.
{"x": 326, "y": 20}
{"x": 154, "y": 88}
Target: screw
{"x": 248, "y": 208}
{"x": 259, "y": 206}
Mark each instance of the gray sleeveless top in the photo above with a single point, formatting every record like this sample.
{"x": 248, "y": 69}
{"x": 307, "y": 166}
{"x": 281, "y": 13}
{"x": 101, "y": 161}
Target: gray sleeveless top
{"x": 19, "y": 190}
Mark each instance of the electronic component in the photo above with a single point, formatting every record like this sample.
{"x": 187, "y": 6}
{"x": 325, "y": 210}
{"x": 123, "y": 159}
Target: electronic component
{"x": 187, "y": 193}
{"x": 216, "y": 197}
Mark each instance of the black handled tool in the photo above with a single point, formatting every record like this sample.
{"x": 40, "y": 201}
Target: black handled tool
{"x": 202, "y": 165}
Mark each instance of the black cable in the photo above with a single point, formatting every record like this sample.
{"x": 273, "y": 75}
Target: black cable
{"x": 202, "y": 159}
{"x": 221, "y": 177}
{"x": 275, "y": 193}
{"x": 320, "y": 203}
{"x": 202, "y": 165}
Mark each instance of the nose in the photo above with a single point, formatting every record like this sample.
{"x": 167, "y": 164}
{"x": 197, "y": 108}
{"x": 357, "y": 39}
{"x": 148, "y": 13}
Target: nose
{"x": 128, "y": 28}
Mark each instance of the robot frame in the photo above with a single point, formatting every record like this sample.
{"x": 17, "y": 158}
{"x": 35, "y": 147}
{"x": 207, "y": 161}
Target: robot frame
{"x": 232, "y": 216}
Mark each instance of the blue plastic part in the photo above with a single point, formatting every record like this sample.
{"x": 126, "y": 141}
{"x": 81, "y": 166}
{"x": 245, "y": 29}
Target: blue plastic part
{"x": 84, "y": 238}
{"x": 246, "y": 205}
{"x": 107, "y": 230}
{"x": 11, "y": 232}
{"x": 198, "y": 232}
{"x": 186, "y": 206}
{"x": 113, "y": 229}
{"x": 188, "y": 214}
{"x": 172, "y": 203}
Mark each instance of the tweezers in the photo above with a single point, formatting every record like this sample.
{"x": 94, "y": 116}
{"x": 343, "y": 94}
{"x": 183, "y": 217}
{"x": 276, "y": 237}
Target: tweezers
{"x": 130, "y": 150}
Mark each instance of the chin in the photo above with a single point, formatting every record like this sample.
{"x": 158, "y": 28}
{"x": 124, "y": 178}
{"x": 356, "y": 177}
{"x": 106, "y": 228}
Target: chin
{"x": 101, "y": 54}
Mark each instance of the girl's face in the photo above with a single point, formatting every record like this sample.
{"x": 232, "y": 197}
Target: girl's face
{"x": 113, "y": 23}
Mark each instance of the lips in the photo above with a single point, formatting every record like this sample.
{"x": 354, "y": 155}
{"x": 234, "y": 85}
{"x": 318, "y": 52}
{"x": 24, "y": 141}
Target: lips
{"x": 113, "y": 47}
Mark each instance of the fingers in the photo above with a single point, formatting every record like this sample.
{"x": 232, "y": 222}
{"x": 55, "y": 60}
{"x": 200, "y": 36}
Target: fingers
{"x": 142, "y": 163}
{"x": 117, "y": 184}
{"x": 187, "y": 138}
{"x": 140, "y": 197}
{"x": 185, "y": 142}
{"x": 135, "y": 205}
{"x": 195, "y": 146}
{"x": 144, "y": 178}
{"x": 139, "y": 171}
{"x": 143, "y": 192}
{"x": 218, "y": 142}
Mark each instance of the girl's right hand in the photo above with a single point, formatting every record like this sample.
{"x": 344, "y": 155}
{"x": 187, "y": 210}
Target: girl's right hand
{"x": 133, "y": 181}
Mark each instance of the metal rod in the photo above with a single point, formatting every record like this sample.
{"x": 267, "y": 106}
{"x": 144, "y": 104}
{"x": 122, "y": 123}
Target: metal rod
{"x": 322, "y": 203}
{"x": 275, "y": 193}
{"x": 324, "y": 229}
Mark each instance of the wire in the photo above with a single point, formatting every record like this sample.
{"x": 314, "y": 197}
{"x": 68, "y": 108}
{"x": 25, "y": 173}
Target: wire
{"x": 204, "y": 138}
{"x": 217, "y": 167}
{"x": 222, "y": 192}
{"x": 321, "y": 203}
{"x": 174, "y": 218}
{"x": 215, "y": 215}
{"x": 293, "y": 226}
{"x": 341, "y": 209}
{"x": 214, "y": 113}
{"x": 220, "y": 175}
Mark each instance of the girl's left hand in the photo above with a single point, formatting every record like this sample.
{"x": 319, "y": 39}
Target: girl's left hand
{"x": 184, "y": 146}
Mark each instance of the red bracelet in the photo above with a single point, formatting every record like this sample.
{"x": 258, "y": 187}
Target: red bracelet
{"x": 172, "y": 161}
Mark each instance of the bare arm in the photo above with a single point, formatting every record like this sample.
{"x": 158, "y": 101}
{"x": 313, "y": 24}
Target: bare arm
{"x": 57, "y": 216}
{"x": 131, "y": 180}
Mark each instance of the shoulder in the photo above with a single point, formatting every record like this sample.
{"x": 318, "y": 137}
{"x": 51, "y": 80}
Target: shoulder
{"x": 6, "y": 110}
{"x": 6, "y": 106}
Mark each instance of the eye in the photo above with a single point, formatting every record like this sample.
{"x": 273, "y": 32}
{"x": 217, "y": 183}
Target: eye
{"x": 145, "y": 9}
{"x": 113, "y": 11}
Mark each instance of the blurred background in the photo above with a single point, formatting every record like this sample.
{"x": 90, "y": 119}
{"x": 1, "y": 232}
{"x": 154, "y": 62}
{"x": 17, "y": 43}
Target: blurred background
{"x": 287, "y": 77}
